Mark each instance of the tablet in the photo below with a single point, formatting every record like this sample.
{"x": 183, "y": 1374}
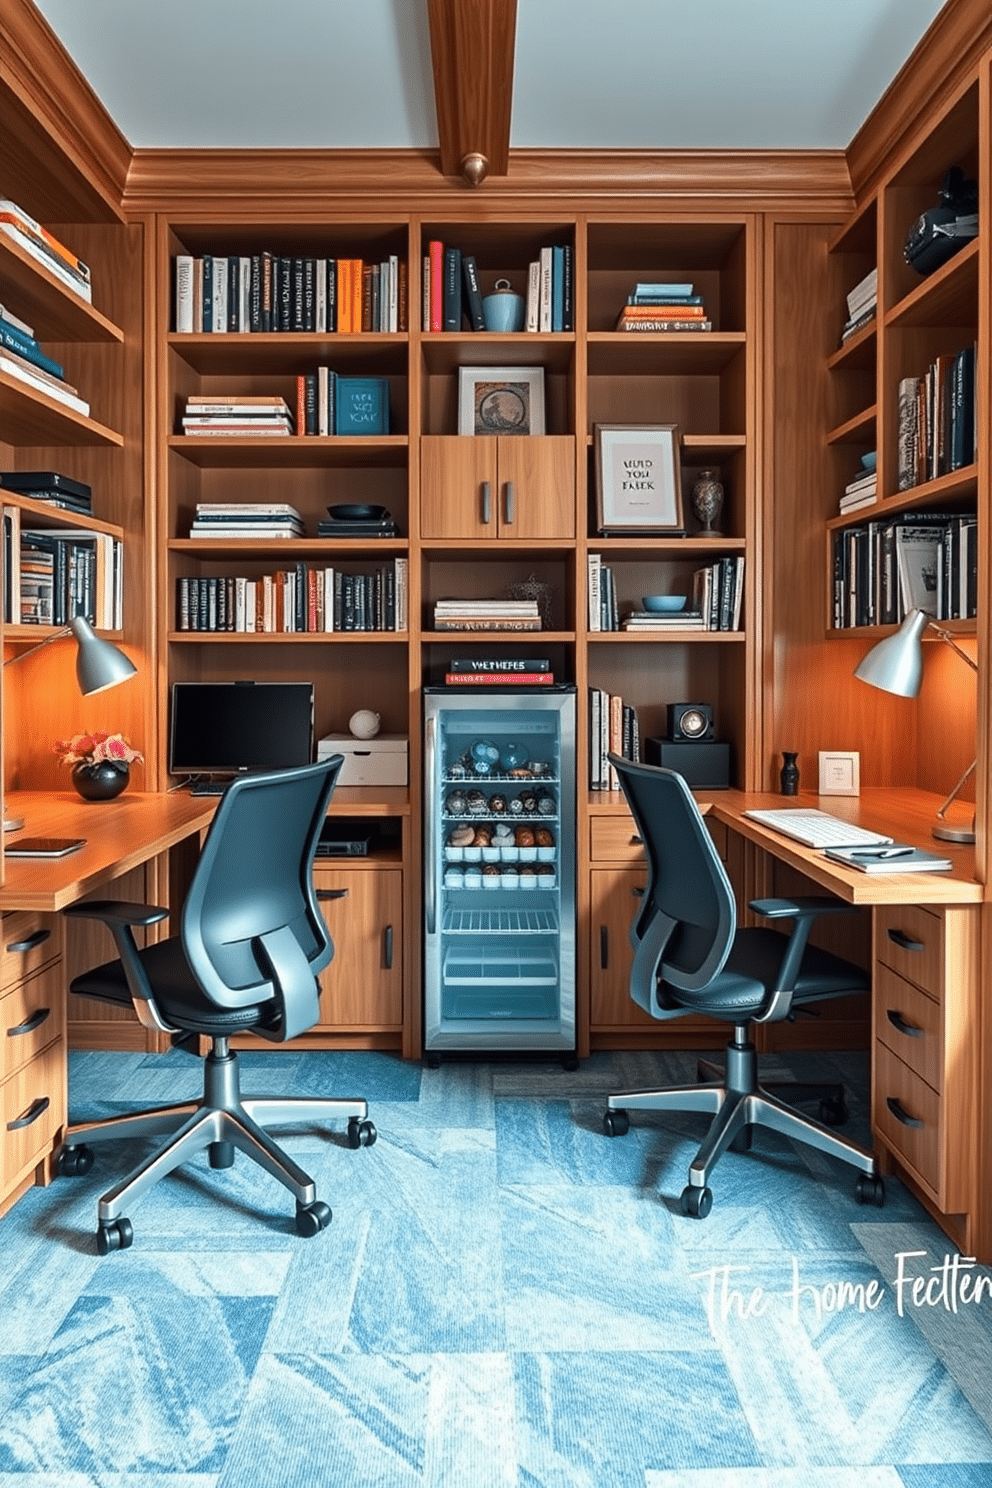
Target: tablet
{"x": 44, "y": 847}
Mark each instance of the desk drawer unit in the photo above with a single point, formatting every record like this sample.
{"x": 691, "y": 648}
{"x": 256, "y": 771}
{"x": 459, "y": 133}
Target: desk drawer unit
{"x": 32, "y": 1111}
{"x": 614, "y": 839}
{"x": 926, "y": 1026}
{"x": 32, "y": 1015}
{"x": 28, "y": 940}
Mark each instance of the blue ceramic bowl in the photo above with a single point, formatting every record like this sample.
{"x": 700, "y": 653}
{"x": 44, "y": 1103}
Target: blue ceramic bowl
{"x": 868, "y": 461}
{"x": 663, "y": 604}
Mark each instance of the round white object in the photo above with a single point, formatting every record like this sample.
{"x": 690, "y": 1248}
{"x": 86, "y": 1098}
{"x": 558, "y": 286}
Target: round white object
{"x": 364, "y": 724}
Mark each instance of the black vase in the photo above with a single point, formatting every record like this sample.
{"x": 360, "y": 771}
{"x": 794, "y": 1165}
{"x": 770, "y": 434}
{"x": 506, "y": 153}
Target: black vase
{"x": 789, "y": 775}
{"x": 100, "y": 782}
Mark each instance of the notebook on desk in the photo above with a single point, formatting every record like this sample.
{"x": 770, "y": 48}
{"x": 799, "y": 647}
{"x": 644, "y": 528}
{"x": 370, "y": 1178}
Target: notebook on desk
{"x": 893, "y": 857}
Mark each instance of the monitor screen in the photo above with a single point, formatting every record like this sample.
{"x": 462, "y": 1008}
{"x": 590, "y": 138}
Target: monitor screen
{"x": 226, "y": 728}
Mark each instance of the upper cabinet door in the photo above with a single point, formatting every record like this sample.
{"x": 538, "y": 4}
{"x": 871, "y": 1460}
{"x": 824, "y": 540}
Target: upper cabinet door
{"x": 515, "y": 487}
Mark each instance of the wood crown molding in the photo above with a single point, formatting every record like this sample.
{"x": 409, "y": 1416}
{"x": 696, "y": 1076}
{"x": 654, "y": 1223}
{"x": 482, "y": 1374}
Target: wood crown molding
{"x": 946, "y": 57}
{"x": 472, "y": 53}
{"x": 42, "y": 92}
{"x": 308, "y": 182}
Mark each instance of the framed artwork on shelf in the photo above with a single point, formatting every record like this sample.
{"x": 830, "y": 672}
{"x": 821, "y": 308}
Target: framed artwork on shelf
{"x": 840, "y": 772}
{"x": 638, "y": 479}
{"x": 501, "y": 400}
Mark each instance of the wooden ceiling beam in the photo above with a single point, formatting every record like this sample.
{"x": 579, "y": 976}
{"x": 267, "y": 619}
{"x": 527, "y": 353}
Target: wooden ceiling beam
{"x": 472, "y": 49}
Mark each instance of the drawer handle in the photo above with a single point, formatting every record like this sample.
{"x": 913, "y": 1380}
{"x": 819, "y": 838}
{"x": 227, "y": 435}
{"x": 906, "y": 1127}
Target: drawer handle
{"x": 486, "y": 504}
{"x": 332, "y": 893}
{"x": 387, "y": 948}
{"x": 509, "y": 503}
{"x": 33, "y": 1022}
{"x": 604, "y": 947}
{"x": 901, "y": 1026}
{"x": 903, "y": 941}
{"x": 636, "y": 841}
{"x": 901, "y": 1114}
{"x": 36, "y": 1109}
{"x": 20, "y": 947}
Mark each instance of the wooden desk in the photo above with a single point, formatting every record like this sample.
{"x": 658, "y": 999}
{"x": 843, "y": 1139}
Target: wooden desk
{"x": 120, "y": 835}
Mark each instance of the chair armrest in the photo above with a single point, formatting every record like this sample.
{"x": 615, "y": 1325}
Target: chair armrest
{"x": 116, "y": 912}
{"x": 803, "y": 910}
{"x": 120, "y": 917}
{"x": 800, "y": 908}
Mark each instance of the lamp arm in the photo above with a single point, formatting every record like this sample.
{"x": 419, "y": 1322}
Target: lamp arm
{"x": 56, "y": 635}
{"x": 945, "y": 635}
{"x": 942, "y": 811}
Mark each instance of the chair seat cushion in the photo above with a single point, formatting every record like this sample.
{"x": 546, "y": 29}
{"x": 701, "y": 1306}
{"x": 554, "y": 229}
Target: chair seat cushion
{"x": 177, "y": 995}
{"x": 741, "y": 990}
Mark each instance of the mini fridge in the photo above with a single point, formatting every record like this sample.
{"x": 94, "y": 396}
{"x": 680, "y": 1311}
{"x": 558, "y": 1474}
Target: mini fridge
{"x": 499, "y": 875}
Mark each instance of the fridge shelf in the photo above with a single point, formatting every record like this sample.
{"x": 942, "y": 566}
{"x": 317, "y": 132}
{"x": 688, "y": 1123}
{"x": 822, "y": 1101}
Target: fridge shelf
{"x": 500, "y": 922}
{"x": 497, "y": 777}
{"x": 469, "y": 968}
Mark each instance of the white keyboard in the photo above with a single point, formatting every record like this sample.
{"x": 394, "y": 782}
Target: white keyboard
{"x": 817, "y": 828}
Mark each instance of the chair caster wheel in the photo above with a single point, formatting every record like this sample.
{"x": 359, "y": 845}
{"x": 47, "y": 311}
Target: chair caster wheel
{"x": 833, "y": 1111}
{"x": 869, "y": 1190}
{"x": 616, "y": 1123}
{"x": 696, "y": 1202}
{"x": 221, "y": 1154}
{"x": 742, "y": 1141}
{"x": 312, "y": 1218}
{"x": 75, "y": 1161}
{"x": 115, "y": 1235}
{"x": 361, "y": 1133}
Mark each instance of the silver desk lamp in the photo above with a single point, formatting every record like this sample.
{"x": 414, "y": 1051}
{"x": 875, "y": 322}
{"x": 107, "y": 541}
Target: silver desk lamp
{"x": 99, "y": 665}
{"x": 896, "y": 665}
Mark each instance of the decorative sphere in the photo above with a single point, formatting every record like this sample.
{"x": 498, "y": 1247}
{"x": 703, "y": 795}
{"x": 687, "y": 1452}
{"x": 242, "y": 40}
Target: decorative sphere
{"x": 364, "y": 724}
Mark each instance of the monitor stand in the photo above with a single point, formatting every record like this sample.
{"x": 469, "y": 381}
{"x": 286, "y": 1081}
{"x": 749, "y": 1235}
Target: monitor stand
{"x": 209, "y": 787}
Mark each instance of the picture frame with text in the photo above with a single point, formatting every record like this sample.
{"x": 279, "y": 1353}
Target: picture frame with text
{"x": 638, "y": 479}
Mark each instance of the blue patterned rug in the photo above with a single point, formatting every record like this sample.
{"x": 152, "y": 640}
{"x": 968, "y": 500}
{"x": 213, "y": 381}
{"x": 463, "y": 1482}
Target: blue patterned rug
{"x": 505, "y": 1299}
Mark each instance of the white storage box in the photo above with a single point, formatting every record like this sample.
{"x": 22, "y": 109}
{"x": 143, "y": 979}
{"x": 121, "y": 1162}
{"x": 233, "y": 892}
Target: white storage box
{"x": 383, "y": 760}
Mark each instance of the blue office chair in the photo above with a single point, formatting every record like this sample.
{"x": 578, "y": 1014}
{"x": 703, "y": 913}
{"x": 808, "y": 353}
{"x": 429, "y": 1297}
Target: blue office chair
{"x": 689, "y": 957}
{"x": 252, "y": 941}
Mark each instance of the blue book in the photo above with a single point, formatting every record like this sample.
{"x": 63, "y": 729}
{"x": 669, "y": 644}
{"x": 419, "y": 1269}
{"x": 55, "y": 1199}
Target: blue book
{"x": 682, "y": 291}
{"x": 664, "y": 299}
{"x": 361, "y": 405}
{"x": 557, "y": 289}
{"x": 26, "y": 346}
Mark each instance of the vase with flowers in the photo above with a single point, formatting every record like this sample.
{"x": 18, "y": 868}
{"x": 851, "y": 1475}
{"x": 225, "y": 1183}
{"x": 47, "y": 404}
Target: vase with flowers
{"x": 101, "y": 763}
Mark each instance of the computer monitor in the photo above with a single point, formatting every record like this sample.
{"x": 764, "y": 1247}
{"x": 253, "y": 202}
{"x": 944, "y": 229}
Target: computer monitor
{"x": 229, "y": 728}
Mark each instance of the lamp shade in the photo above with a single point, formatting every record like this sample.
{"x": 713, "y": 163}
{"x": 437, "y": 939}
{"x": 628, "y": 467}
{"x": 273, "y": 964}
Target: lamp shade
{"x": 896, "y": 664}
{"x": 99, "y": 664}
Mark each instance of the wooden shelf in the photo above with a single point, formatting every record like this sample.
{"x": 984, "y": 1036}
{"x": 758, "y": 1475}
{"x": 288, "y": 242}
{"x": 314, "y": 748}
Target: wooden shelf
{"x": 49, "y": 306}
{"x": 640, "y": 353}
{"x": 947, "y": 297}
{"x": 287, "y": 354}
{"x": 29, "y": 417}
{"x": 291, "y": 451}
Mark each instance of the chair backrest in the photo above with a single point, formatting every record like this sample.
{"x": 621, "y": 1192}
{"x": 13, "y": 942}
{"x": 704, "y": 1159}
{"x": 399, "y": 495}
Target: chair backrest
{"x": 251, "y": 926}
{"x": 686, "y": 923}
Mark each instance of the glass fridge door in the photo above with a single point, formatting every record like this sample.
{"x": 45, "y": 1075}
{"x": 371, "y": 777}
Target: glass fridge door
{"x": 501, "y": 868}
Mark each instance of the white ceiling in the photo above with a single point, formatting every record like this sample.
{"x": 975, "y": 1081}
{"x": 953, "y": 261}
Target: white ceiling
{"x": 589, "y": 73}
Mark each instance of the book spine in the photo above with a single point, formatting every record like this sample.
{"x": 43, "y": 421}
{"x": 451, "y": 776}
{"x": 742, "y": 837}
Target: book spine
{"x": 473, "y": 294}
{"x": 184, "y": 293}
{"x": 546, "y": 270}
{"x": 451, "y": 313}
{"x": 557, "y": 288}
{"x": 26, "y": 346}
{"x": 499, "y": 679}
{"x": 435, "y": 286}
{"x": 233, "y": 294}
{"x": 332, "y": 294}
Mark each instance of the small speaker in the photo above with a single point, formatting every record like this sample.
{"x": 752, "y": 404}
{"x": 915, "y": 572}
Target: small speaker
{"x": 704, "y": 764}
{"x": 690, "y": 721}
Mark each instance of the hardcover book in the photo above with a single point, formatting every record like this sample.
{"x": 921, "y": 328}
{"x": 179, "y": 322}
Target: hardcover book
{"x": 361, "y": 405}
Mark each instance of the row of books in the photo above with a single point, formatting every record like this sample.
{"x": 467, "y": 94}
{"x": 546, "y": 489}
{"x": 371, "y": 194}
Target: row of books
{"x": 862, "y": 302}
{"x": 716, "y": 601}
{"x": 45, "y": 249}
{"x": 296, "y": 600}
{"x": 22, "y": 357}
{"x": 259, "y": 292}
{"x": 860, "y": 491}
{"x": 918, "y": 560}
{"x": 50, "y": 575}
{"x": 663, "y": 305}
{"x": 452, "y": 294}
{"x": 484, "y": 671}
{"x": 486, "y": 614}
{"x": 613, "y": 729}
{"x": 327, "y": 403}
{"x": 51, "y": 487}
{"x": 241, "y": 519}
{"x": 937, "y": 423}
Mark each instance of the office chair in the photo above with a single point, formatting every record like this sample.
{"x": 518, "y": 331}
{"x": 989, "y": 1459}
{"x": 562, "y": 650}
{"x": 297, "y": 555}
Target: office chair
{"x": 689, "y": 957}
{"x": 252, "y": 941}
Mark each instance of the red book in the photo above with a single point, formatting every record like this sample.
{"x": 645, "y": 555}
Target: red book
{"x": 499, "y": 679}
{"x": 435, "y": 254}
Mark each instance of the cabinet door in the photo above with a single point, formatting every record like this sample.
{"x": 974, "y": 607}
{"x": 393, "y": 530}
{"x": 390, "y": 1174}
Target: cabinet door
{"x": 536, "y": 478}
{"x": 612, "y": 906}
{"x": 458, "y": 486}
{"x": 363, "y": 986}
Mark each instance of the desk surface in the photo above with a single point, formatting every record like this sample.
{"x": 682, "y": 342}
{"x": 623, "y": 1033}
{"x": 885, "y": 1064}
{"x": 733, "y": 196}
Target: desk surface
{"x": 905, "y": 814}
{"x": 119, "y": 836}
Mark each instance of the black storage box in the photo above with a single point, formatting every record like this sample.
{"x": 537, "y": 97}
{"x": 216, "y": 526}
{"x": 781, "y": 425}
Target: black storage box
{"x": 704, "y": 764}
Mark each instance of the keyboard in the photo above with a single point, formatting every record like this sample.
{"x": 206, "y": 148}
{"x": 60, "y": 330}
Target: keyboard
{"x": 817, "y": 828}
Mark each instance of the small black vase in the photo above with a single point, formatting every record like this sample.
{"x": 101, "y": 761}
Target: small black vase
{"x": 789, "y": 775}
{"x": 100, "y": 782}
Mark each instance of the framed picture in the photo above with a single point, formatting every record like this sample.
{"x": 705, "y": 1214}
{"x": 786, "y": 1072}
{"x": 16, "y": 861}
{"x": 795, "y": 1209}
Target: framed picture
{"x": 638, "y": 478}
{"x": 501, "y": 400}
{"x": 840, "y": 772}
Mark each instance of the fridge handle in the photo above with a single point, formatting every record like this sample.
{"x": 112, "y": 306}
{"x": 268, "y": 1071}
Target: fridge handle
{"x": 430, "y": 830}
{"x": 486, "y": 513}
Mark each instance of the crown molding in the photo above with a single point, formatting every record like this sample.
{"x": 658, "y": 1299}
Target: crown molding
{"x": 308, "y": 182}
{"x": 52, "y": 119}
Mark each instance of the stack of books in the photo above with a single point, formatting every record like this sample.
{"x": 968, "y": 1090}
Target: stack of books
{"x": 384, "y": 526}
{"x": 264, "y": 292}
{"x": 452, "y": 290}
{"x": 486, "y": 614}
{"x": 860, "y": 491}
{"x": 861, "y": 304}
{"x": 50, "y": 487}
{"x": 665, "y": 305}
{"x": 241, "y": 519}
{"x": 237, "y": 415}
{"x": 45, "y": 249}
{"x": 639, "y": 620}
{"x": 22, "y": 357}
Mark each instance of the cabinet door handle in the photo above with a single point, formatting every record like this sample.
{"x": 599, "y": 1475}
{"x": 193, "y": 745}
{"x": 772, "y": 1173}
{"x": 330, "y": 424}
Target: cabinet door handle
{"x": 332, "y": 893}
{"x": 36, "y": 1109}
{"x": 901, "y": 1114}
{"x": 486, "y": 504}
{"x": 604, "y": 947}
{"x": 904, "y": 942}
{"x": 509, "y": 502}
{"x": 901, "y": 1026}
{"x": 387, "y": 948}
{"x": 20, "y": 947}
{"x": 636, "y": 841}
{"x": 637, "y": 893}
{"x": 35, "y": 1021}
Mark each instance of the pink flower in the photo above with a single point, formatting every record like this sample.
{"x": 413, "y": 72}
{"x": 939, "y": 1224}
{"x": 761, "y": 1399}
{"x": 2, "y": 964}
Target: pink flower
{"x": 95, "y": 747}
